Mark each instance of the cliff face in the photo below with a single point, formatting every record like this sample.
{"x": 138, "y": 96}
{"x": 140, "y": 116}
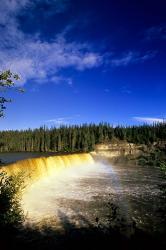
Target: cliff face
{"x": 118, "y": 149}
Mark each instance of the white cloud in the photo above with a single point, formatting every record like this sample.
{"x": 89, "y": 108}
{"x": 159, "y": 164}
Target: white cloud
{"x": 62, "y": 120}
{"x": 126, "y": 90}
{"x": 59, "y": 121}
{"x": 60, "y": 79}
{"x": 34, "y": 58}
{"x": 149, "y": 120}
{"x": 156, "y": 32}
{"x": 132, "y": 57}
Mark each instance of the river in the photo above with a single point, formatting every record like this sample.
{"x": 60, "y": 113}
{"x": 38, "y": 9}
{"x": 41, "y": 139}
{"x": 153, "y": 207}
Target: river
{"x": 81, "y": 196}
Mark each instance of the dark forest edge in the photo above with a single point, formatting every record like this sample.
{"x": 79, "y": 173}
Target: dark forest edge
{"x": 79, "y": 138}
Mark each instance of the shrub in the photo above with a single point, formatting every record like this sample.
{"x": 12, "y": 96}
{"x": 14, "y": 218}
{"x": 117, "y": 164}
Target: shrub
{"x": 11, "y": 213}
{"x": 162, "y": 166}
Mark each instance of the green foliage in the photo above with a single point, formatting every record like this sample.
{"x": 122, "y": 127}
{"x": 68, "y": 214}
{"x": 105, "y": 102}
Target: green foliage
{"x": 156, "y": 157}
{"x": 11, "y": 213}
{"x": 163, "y": 166}
{"x": 143, "y": 161}
{"x": 11, "y": 188}
{"x": 79, "y": 138}
{"x": 7, "y": 80}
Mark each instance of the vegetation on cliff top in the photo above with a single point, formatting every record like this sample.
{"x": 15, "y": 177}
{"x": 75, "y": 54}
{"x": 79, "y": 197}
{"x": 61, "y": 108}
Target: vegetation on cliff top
{"x": 79, "y": 138}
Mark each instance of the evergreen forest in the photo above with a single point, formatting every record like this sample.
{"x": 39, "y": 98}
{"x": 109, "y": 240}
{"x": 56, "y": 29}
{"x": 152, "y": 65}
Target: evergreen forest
{"x": 77, "y": 138}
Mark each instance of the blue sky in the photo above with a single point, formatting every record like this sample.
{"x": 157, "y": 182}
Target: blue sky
{"x": 84, "y": 61}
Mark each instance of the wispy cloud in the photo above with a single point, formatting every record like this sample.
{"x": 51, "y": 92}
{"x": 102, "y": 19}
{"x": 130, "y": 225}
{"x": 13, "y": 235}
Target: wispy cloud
{"x": 126, "y": 90}
{"x": 149, "y": 120}
{"x": 41, "y": 60}
{"x": 132, "y": 57}
{"x": 58, "y": 79}
{"x": 156, "y": 32}
{"x": 59, "y": 121}
{"x": 62, "y": 120}
{"x": 34, "y": 58}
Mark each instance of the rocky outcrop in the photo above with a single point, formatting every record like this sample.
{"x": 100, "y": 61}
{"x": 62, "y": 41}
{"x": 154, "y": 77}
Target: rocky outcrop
{"x": 118, "y": 149}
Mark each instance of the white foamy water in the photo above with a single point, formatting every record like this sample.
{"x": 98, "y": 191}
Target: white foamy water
{"x": 83, "y": 183}
{"x": 80, "y": 194}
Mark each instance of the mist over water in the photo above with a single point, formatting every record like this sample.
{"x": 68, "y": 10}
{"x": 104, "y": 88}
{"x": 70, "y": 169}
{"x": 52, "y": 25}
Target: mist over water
{"x": 50, "y": 196}
{"x": 76, "y": 189}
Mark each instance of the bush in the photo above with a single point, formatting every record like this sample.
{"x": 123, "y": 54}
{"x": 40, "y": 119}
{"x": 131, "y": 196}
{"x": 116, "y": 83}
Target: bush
{"x": 162, "y": 166}
{"x": 11, "y": 213}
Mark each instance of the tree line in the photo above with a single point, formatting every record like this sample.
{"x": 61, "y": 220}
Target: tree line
{"x": 78, "y": 138}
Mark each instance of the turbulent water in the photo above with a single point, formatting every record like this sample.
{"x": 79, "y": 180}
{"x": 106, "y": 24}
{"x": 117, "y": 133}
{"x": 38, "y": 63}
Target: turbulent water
{"x": 38, "y": 168}
{"x": 75, "y": 190}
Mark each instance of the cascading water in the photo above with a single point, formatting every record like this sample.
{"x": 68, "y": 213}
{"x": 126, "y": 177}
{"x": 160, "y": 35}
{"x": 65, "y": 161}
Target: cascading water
{"x": 65, "y": 185}
{"x": 75, "y": 189}
{"x": 37, "y": 168}
{"x": 49, "y": 179}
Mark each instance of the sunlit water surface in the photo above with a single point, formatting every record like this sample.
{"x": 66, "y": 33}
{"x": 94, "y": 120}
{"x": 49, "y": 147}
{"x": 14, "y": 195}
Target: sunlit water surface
{"x": 78, "y": 195}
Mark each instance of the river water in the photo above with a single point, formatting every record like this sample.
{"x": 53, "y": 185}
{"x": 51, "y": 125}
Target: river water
{"x": 81, "y": 196}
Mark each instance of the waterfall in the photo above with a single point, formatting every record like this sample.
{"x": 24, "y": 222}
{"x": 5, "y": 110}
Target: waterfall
{"x": 37, "y": 168}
